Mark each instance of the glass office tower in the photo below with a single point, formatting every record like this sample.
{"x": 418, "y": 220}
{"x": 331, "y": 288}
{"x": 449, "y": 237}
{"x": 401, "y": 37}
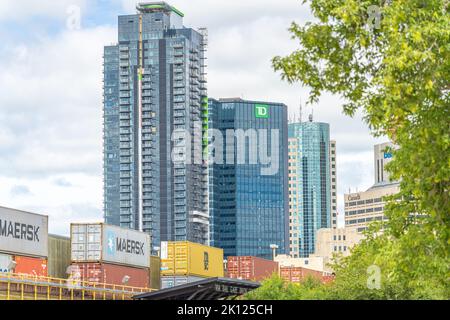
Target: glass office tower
{"x": 310, "y": 182}
{"x": 154, "y": 83}
{"x": 248, "y": 205}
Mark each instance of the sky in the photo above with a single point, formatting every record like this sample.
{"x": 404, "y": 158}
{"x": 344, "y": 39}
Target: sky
{"x": 51, "y": 94}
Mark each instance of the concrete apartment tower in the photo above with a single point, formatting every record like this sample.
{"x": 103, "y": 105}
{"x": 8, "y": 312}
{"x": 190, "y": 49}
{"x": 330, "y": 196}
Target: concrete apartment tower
{"x": 154, "y": 84}
{"x": 312, "y": 190}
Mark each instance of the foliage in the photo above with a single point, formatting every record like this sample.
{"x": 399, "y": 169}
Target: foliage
{"x": 275, "y": 288}
{"x": 398, "y": 75}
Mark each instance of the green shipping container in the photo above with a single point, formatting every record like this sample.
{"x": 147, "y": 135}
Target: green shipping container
{"x": 155, "y": 273}
{"x": 58, "y": 256}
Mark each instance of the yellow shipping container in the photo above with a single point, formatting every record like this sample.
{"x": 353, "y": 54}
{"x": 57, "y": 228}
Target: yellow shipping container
{"x": 192, "y": 259}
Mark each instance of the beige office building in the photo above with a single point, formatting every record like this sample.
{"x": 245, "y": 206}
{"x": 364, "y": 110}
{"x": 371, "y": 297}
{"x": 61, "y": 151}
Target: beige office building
{"x": 339, "y": 240}
{"x": 362, "y": 208}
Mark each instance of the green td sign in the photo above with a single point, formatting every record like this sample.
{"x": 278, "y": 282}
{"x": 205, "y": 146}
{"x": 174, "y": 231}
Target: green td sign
{"x": 262, "y": 111}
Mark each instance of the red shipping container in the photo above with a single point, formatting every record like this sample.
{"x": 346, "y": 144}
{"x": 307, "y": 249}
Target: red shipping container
{"x": 298, "y": 274}
{"x": 30, "y": 266}
{"x": 251, "y": 268}
{"x": 110, "y": 274}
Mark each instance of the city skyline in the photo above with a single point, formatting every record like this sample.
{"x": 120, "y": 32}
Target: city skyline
{"x": 63, "y": 179}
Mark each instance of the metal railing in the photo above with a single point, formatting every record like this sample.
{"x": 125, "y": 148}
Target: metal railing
{"x": 29, "y": 287}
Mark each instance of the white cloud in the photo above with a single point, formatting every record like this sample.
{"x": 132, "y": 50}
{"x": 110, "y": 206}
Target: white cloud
{"x": 51, "y": 109}
{"x": 14, "y": 10}
{"x": 51, "y": 126}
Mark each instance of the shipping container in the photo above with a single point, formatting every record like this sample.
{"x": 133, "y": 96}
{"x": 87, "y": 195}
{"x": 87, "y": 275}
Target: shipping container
{"x": 251, "y": 268}
{"x": 110, "y": 274}
{"x": 174, "y": 281}
{"x": 30, "y": 266}
{"x": 103, "y": 243}
{"x": 155, "y": 272}
{"x": 298, "y": 274}
{"x": 23, "y": 233}
{"x": 185, "y": 258}
{"x": 58, "y": 256}
{"x": 6, "y": 263}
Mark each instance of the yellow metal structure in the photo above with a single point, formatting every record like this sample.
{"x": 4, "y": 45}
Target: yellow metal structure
{"x": 192, "y": 259}
{"x": 27, "y": 287}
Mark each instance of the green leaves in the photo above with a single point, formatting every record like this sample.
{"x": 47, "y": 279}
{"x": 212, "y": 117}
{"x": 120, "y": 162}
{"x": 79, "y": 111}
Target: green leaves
{"x": 399, "y": 75}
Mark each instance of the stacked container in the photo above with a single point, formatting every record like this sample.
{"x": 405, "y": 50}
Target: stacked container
{"x": 58, "y": 256}
{"x": 298, "y": 274}
{"x": 251, "y": 268}
{"x": 105, "y": 254}
{"x": 23, "y": 242}
{"x": 155, "y": 273}
{"x": 184, "y": 262}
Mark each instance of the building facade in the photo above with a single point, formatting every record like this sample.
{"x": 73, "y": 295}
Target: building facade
{"x": 154, "y": 84}
{"x": 336, "y": 240}
{"x": 310, "y": 187}
{"x": 361, "y": 208}
{"x": 382, "y": 156}
{"x": 333, "y": 185}
{"x": 248, "y": 194}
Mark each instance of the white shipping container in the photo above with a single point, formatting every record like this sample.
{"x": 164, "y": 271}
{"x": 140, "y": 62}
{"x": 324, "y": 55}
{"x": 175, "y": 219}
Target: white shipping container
{"x": 105, "y": 243}
{"x": 23, "y": 233}
{"x": 170, "y": 282}
{"x": 5, "y": 263}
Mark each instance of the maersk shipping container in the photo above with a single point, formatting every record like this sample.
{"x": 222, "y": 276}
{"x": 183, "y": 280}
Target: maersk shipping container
{"x": 23, "y": 233}
{"x": 36, "y": 267}
{"x": 58, "y": 256}
{"x": 6, "y": 263}
{"x": 174, "y": 281}
{"x": 250, "y": 268}
{"x": 110, "y": 274}
{"x": 155, "y": 273}
{"x": 31, "y": 266}
{"x": 98, "y": 242}
{"x": 185, "y": 258}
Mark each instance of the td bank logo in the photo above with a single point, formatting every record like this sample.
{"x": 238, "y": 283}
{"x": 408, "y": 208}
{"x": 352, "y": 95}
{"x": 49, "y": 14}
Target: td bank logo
{"x": 262, "y": 111}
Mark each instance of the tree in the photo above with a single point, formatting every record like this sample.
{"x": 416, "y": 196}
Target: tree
{"x": 398, "y": 74}
{"x": 275, "y": 288}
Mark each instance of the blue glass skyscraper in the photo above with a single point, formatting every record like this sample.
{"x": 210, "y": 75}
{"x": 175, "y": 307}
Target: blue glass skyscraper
{"x": 248, "y": 199}
{"x": 154, "y": 84}
{"x": 310, "y": 184}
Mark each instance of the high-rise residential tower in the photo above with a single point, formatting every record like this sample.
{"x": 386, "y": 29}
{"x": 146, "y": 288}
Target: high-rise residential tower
{"x": 155, "y": 84}
{"x": 310, "y": 181}
{"x": 248, "y": 177}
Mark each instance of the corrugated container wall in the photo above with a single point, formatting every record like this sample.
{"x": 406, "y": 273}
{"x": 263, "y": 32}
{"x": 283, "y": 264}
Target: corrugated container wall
{"x": 58, "y": 256}
{"x": 111, "y": 274}
{"x": 169, "y": 282}
{"x": 298, "y": 274}
{"x": 155, "y": 273}
{"x": 99, "y": 242}
{"x": 191, "y": 259}
{"x": 31, "y": 266}
{"x": 23, "y": 233}
{"x": 6, "y": 263}
{"x": 251, "y": 268}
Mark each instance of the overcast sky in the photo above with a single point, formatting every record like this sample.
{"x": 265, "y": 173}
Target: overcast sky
{"x": 51, "y": 94}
